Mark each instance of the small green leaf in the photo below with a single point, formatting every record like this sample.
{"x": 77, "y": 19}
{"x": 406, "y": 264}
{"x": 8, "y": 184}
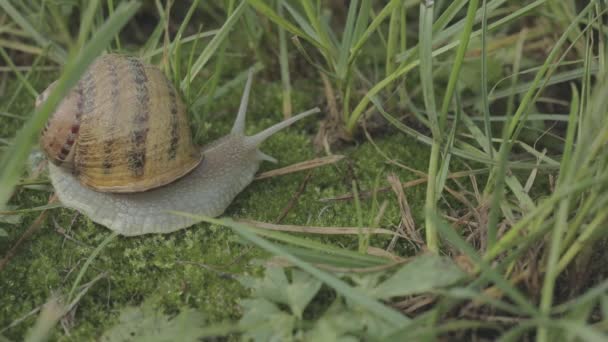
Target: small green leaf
{"x": 337, "y": 324}
{"x": 271, "y": 287}
{"x": 276, "y": 288}
{"x": 146, "y": 323}
{"x": 264, "y": 321}
{"x": 3, "y": 233}
{"x": 301, "y": 291}
{"x": 425, "y": 273}
{"x": 347, "y": 321}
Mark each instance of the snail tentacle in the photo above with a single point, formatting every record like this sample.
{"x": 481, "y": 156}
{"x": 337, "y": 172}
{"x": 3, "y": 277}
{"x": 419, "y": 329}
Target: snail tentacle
{"x": 259, "y": 138}
{"x": 239, "y": 122}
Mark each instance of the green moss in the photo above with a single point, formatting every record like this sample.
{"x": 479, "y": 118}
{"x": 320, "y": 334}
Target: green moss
{"x": 166, "y": 269}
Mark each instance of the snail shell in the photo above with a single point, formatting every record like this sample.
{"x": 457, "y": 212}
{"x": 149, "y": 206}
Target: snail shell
{"x": 123, "y": 128}
{"x": 229, "y": 165}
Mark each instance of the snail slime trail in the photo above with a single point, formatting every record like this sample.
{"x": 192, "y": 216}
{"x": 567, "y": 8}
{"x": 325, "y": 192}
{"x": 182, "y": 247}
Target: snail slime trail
{"x": 132, "y": 160}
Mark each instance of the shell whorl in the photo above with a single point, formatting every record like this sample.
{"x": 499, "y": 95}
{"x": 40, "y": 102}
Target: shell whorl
{"x": 123, "y": 128}
{"x": 229, "y": 165}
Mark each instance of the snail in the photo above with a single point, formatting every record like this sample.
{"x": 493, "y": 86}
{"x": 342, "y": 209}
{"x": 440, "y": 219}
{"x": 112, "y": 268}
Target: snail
{"x": 121, "y": 152}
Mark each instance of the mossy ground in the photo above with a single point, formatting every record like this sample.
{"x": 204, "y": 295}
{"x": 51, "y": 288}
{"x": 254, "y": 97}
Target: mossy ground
{"x": 165, "y": 269}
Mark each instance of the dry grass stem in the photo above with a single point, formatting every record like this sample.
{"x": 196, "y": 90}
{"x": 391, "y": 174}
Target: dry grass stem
{"x": 408, "y": 184}
{"x": 319, "y": 230}
{"x": 297, "y": 167}
{"x": 404, "y": 209}
{"x": 294, "y": 199}
{"x": 29, "y": 232}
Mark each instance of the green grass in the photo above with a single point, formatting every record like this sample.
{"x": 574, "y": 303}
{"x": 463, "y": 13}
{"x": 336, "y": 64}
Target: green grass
{"x": 494, "y": 109}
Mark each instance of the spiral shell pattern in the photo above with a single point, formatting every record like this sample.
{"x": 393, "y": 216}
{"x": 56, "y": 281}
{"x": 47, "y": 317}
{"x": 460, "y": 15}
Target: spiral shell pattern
{"x": 123, "y": 128}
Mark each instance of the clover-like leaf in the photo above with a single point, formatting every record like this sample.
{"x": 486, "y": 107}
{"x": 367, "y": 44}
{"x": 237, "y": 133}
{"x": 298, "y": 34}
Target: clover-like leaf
{"x": 276, "y": 288}
{"x": 346, "y": 322}
{"x": 145, "y": 323}
{"x": 301, "y": 291}
{"x": 425, "y": 273}
{"x": 263, "y": 321}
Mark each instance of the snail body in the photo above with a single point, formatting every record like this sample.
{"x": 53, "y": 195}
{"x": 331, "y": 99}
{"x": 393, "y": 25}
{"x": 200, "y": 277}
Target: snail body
{"x": 226, "y": 167}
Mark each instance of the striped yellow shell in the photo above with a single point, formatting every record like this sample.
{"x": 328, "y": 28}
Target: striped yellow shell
{"x": 123, "y": 128}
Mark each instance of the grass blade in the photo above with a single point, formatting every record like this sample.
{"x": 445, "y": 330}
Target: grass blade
{"x": 484, "y": 83}
{"x": 214, "y": 44}
{"x": 426, "y": 77}
{"x": 462, "y": 48}
{"x": 450, "y": 235}
{"x": 57, "y": 53}
{"x": 353, "y": 294}
{"x": 268, "y": 12}
{"x": 284, "y": 64}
